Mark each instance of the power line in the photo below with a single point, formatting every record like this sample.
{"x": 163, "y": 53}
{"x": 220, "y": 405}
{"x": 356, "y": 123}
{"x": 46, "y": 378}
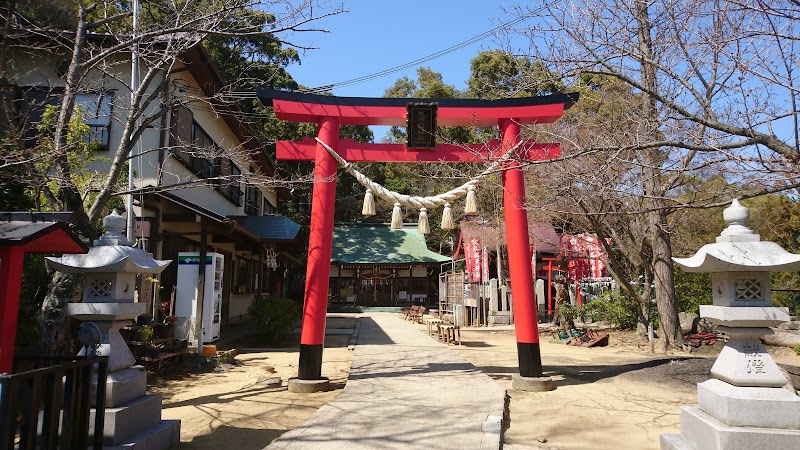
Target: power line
{"x": 427, "y": 58}
{"x": 252, "y": 95}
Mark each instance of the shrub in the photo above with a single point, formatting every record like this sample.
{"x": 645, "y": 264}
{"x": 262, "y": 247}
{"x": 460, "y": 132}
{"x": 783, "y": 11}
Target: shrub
{"x": 613, "y": 307}
{"x": 796, "y": 348}
{"x": 274, "y": 317}
{"x": 692, "y": 290}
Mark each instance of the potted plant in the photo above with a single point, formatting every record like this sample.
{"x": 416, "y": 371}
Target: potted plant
{"x": 145, "y": 333}
{"x": 167, "y": 328}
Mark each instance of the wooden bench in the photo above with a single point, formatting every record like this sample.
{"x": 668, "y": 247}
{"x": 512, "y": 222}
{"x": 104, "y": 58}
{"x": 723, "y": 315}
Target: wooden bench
{"x": 410, "y": 312}
{"x": 449, "y": 333}
{"x": 416, "y": 316}
{"x": 432, "y": 325}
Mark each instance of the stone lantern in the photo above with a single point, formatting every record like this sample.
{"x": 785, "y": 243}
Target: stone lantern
{"x": 745, "y": 405}
{"x": 109, "y": 270}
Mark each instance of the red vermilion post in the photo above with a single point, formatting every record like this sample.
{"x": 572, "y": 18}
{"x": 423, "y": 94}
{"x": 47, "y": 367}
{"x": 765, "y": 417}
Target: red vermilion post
{"x": 11, "y": 261}
{"x": 519, "y": 266}
{"x": 320, "y": 240}
{"x": 550, "y": 288}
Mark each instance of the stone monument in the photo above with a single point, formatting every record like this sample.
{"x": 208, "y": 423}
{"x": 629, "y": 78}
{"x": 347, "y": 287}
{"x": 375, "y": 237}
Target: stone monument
{"x": 747, "y": 405}
{"x": 132, "y": 417}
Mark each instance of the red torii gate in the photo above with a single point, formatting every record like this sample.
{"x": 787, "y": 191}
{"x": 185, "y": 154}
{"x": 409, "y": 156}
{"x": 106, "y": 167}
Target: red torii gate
{"x": 330, "y": 112}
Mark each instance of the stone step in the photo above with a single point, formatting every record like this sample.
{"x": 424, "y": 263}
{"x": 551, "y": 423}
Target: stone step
{"x": 673, "y": 442}
{"x": 738, "y": 406}
{"x": 165, "y": 435}
{"x": 129, "y": 419}
{"x": 701, "y": 431}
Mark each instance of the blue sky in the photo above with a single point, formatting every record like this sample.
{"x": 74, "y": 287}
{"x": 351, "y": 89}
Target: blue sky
{"x": 377, "y": 35}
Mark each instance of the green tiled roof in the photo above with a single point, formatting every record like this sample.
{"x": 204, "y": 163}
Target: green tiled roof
{"x": 379, "y": 244}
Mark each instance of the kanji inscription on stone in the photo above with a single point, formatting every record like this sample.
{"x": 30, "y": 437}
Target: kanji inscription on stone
{"x": 752, "y": 354}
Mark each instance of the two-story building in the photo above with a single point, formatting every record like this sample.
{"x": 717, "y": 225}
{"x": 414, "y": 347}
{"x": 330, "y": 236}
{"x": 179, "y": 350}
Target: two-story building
{"x": 201, "y": 177}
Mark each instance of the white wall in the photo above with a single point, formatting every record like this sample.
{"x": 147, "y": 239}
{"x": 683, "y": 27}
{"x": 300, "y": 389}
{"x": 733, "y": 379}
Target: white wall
{"x": 419, "y": 271}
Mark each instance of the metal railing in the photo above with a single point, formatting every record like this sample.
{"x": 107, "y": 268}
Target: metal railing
{"x": 48, "y": 406}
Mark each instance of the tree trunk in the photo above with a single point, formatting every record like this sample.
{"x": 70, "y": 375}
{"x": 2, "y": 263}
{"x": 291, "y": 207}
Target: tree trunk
{"x": 55, "y": 334}
{"x": 661, "y": 258}
{"x": 670, "y": 334}
{"x": 64, "y": 288}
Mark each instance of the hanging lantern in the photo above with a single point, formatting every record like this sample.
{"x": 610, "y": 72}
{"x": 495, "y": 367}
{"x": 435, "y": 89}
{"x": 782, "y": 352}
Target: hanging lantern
{"x": 423, "y": 227}
{"x": 447, "y": 217}
{"x": 397, "y": 217}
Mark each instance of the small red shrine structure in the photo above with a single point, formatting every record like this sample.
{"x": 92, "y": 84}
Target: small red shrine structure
{"x": 331, "y": 112}
{"x": 22, "y": 233}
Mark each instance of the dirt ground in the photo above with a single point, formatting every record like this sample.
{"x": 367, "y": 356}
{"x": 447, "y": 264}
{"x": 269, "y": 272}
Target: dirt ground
{"x": 241, "y": 407}
{"x": 616, "y": 397}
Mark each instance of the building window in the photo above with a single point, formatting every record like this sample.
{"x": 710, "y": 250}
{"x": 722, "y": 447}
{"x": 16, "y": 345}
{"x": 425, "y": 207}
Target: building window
{"x": 96, "y": 112}
{"x": 230, "y": 180}
{"x": 252, "y": 201}
{"x": 267, "y": 208}
{"x": 192, "y": 146}
{"x": 244, "y": 274}
{"x": 204, "y": 160}
{"x": 32, "y": 101}
{"x": 195, "y": 149}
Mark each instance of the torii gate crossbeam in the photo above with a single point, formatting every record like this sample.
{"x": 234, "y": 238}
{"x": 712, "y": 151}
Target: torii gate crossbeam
{"x": 330, "y": 112}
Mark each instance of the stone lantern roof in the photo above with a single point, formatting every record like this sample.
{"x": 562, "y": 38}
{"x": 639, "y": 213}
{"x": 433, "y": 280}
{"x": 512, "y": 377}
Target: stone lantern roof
{"x": 111, "y": 253}
{"x": 740, "y": 249}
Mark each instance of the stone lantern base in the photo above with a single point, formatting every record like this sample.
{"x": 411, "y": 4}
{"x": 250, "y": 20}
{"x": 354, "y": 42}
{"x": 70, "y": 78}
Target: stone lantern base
{"x": 700, "y": 430}
{"x": 132, "y": 417}
{"x": 747, "y": 405}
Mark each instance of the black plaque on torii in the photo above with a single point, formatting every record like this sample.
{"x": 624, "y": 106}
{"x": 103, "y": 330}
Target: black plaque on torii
{"x": 421, "y": 125}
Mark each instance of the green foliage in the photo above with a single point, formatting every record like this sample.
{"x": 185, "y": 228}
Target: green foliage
{"x": 796, "y": 348}
{"x": 221, "y": 358}
{"x": 619, "y": 309}
{"x": 274, "y": 317}
{"x": 497, "y": 74}
{"x": 692, "y": 290}
{"x": 429, "y": 84}
{"x": 34, "y": 286}
{"x": 80, "y": 154}
{"x": 145, "y": 333}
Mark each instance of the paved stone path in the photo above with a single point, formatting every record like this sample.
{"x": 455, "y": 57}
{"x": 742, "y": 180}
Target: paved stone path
{"x": 405, "y": 391}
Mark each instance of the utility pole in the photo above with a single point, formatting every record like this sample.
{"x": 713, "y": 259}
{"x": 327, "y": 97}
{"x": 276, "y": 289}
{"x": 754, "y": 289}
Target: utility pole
{"x": 134, "y": 88}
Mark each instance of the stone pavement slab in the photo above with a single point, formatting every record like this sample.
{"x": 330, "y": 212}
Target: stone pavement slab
{"x": 405, "y": 390}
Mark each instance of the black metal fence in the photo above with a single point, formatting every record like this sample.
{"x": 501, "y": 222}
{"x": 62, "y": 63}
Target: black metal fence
{"x": 48, "y": 406}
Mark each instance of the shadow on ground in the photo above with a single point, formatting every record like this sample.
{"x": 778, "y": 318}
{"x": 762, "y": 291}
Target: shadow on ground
{"x": 245, "y": 438}
{"x": 674, "y": 370}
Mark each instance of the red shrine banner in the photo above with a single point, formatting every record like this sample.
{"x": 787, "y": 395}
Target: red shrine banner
{"x": 474, "y": 258}
{"x": 586, "y": 256}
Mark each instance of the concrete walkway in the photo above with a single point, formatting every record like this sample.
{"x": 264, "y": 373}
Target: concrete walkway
{"x": 405, "y": 391}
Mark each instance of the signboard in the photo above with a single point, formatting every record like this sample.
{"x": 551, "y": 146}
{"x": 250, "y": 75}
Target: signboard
{"x": 421, "y": 125}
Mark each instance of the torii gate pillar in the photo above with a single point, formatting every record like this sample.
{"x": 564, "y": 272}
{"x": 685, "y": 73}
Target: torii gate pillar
{"x": 320, "y": 241}
{"x": 519, "y": 267}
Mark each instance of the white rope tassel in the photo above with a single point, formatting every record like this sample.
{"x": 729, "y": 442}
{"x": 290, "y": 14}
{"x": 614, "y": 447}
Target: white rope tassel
{"x": 369, "y": 204}
{"x": 423, "y": 227}
{"x": 414, "y": 201}
{"x": 447, "y": 217}
{"x": 472, "y": 201}
{"x": 397, "y": 217}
